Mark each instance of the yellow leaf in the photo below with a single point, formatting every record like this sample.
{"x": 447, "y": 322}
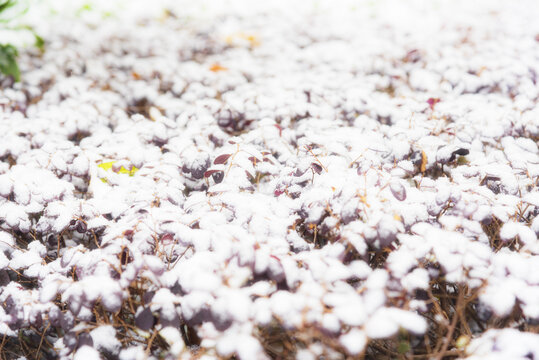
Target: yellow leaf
{"x": 363, "y": 199}
{"x": 106, "y": 165}
{"x": 229, "y": 39}
{"x": 462, "y": 160}
{"x": 462, "y": 341}
{"x": 253, "y": 40}
{"x": 423, "y": 161}
{"x": 232, "y": 39}
{"x": 131, "y": 172}
{"x": 123, "y": 171}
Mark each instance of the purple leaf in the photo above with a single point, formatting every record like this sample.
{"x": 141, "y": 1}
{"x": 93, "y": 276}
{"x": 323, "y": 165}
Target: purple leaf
{"x": 144, "y": 320}
{"x": 218, "y": 177}
{"x": 398, "y": 191}
{"x": 317, "y": 168}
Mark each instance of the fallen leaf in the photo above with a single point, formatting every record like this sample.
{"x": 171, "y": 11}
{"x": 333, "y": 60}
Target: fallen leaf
{"x": 423, "y": 162}
{"x": 216, "y": 67}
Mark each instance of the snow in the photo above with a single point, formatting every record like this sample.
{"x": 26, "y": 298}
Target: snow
{"x": 504, "y": 344}
{"x": 6, "y": 242}
{"x": 104, "y": 339}
{"x": 86, "y": 353}
{"x": 21, "y": 259}
{"x": 417, "y": 279}
{"x": 351, "y": 312}
{"x": 535, "y": 225}
{"x": 509, "y": 231}
{"x": 173, "y": 337}
{"x": 354, "y": 341}
{"x": 244, "y": 168}
{"x": 4, "y": 261}
{"x": 133, "y": 353}
{"x": 6, "y": 185}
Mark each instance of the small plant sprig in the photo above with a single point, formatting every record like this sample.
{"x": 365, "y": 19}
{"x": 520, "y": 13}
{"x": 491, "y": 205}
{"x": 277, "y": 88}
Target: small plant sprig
{"x": 9, "y": 10}
{"x": 8, "y": 62}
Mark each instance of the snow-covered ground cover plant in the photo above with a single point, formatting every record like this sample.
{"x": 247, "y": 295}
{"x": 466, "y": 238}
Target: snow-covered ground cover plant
{"x": 272, "y": 180}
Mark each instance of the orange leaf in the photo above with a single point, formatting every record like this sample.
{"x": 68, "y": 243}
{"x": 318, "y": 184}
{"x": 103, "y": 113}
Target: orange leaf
{"x": 216, "y": 67}
{"x": 423, "y": 161}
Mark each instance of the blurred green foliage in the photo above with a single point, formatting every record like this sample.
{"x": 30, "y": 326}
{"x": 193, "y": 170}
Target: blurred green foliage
{"x": 10, "y": 10}
{"x": 8, "y": 62}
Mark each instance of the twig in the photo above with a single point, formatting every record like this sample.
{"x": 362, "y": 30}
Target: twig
{"x": 309, "y": 149}
{"x": 148, "y": 349}
{"x": 452, "y": 326}
{"x": 41, "y": 341}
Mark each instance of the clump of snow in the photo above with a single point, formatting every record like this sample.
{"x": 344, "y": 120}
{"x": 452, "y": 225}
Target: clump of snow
{"x": 504, "y": 344}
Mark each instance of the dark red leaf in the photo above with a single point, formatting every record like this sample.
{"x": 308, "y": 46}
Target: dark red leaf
{"x": 280, "y": 129}
{"x": 254, "y": 160}
{"x": 81, "y": 227}
{"x": 168, "y": 237}
{"x": 129, "y": 234}
{"x": 432, "y": 102}
{"x": 221, "y": 159}
{"x": 125, "y": 257}
{"x": 317, "y": 168}
{"x": 412, "y": 56}
{"x": 210, "y": 173}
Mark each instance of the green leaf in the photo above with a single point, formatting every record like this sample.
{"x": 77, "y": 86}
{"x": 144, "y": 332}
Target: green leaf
{"x": 6, "y": 4}
{"x": 39, "y": 43}
{"x": 38, "y": 40}
{"x": 8, "y": 62}
{"x": 84, "y": 8}
{"x": 404, "y": 347}
{"x": 11, "y": 9}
